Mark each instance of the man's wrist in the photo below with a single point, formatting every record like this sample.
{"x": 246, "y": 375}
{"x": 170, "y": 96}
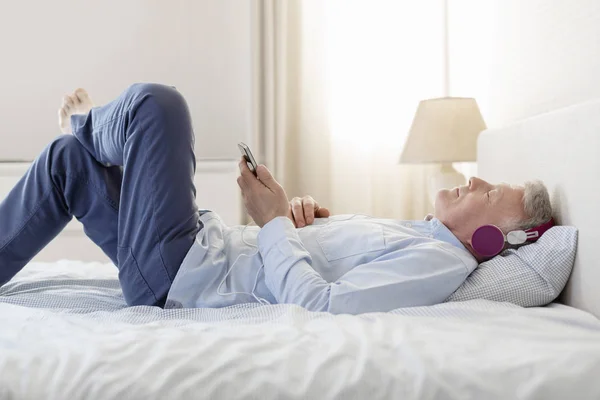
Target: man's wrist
{"x": 270, "y": 218}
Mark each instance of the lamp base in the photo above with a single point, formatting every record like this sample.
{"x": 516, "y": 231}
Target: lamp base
{"x": 445, "y": 178}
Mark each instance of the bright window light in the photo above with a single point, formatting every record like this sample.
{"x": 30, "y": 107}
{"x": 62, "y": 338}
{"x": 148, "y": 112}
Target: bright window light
{"x": 383, "y": 57}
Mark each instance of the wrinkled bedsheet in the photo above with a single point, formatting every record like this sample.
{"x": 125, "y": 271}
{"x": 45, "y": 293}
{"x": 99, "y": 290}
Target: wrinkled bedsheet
{"x": 65, "y": 333}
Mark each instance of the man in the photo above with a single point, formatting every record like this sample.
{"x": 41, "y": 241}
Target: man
{"x": 126, "y": 173}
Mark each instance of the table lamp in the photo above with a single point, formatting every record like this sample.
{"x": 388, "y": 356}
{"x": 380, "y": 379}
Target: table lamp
{"x": 444, "y": 130}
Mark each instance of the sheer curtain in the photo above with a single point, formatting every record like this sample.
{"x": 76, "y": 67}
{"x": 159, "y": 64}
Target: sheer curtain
{"x": 337, "y": 84}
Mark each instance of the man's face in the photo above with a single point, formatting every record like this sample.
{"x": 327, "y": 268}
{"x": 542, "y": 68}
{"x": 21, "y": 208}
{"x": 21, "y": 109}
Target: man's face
{"x": 466, "y": 208}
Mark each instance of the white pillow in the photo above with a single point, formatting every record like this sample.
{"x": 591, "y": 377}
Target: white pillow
{"x": 530, "y": 276}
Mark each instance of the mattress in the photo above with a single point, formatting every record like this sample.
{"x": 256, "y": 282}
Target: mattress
{"x": 65, "y": 332}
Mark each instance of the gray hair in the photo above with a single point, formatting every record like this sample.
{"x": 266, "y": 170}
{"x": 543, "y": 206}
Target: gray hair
{"x": 537, "y": 206}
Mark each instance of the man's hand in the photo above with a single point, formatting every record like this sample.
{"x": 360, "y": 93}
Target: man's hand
{"x": 304, "y": 210}
{"x": 264, "y": 198}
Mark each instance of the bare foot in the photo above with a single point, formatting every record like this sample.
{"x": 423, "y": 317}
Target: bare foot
{"x": 79, "y": 102}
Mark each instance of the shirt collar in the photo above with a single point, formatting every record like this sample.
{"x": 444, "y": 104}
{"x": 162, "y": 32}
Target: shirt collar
{"x": 439, "y": 231}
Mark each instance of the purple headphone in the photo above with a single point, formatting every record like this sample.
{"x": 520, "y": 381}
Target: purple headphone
{"x": 488, "y": 240}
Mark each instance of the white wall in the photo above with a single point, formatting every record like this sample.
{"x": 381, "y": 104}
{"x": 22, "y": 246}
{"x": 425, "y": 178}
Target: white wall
{"x": 524, "y": 57}
{"x": 48, "y": 48}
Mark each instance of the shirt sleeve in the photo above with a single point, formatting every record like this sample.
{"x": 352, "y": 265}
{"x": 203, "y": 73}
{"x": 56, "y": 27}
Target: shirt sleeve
{"x": 413, "y": 276}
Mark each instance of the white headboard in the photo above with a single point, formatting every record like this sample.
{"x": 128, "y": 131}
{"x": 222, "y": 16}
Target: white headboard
{"x": 562, "y": 148}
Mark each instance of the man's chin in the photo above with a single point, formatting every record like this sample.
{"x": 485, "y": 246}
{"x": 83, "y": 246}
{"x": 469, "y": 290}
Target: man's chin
{"x": 440, "y": 200}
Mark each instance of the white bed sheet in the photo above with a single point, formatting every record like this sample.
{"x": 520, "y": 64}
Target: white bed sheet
{"x": 65, "y": 333}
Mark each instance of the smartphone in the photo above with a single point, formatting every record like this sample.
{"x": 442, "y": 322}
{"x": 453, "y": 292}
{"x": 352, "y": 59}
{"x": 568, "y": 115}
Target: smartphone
{"x": 245, "y": 150}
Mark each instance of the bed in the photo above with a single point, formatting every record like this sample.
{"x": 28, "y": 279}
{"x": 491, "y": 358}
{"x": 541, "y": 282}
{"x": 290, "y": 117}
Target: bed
{"x": 65, "y": 332}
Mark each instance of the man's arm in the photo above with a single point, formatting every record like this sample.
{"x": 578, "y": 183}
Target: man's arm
{"x": 411, "y": 277}
{"x": 292, "y": 279}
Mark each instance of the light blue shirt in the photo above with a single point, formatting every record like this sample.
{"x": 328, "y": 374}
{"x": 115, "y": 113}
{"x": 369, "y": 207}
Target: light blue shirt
{"x": 343, "y": 264}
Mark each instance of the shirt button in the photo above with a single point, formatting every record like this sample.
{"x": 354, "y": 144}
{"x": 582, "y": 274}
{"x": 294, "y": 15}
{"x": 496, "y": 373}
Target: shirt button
{"x": 408, "y": 225}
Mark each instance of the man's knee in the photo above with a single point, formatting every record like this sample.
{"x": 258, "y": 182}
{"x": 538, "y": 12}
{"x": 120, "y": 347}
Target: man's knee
{"x": 151, "y": 89}
{"x": 165, "y": 96}
{"x": 163, "y": 105}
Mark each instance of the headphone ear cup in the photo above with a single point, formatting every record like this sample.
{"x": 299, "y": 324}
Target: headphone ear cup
{"x": 488, "y": 240}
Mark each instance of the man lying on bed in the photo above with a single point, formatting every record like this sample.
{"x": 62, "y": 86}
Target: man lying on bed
{"x": 144, "y": 217}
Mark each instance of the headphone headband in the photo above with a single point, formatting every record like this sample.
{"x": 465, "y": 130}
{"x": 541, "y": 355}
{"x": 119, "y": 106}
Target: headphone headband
{"x": 489, "y": 240}
{"x": 539, "y": 230}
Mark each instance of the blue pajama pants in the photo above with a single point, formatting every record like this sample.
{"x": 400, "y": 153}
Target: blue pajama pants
{"x": 126, "y": 174}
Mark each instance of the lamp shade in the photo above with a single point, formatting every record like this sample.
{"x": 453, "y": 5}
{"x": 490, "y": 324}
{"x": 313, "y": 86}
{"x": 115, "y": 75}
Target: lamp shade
{"x": 444, "y": 130}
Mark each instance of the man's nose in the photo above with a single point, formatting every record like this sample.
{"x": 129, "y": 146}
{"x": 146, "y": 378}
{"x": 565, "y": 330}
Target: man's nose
{"x": 475, "y": 182}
